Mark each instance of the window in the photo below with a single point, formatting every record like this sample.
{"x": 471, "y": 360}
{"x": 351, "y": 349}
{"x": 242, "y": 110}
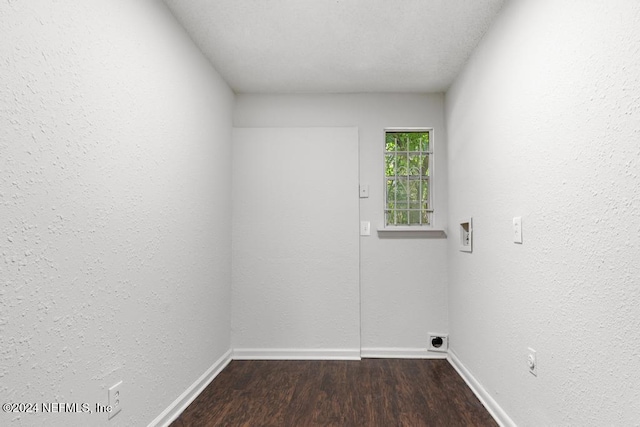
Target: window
{"x": 408, "y": 160}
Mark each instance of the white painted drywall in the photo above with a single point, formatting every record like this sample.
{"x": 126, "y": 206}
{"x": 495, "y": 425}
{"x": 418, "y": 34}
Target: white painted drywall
{"x": 403, "y": 280}
{"x": 115, "y": 144}
{"x": 295, "y": 241}
{"x": 544, "y": 123}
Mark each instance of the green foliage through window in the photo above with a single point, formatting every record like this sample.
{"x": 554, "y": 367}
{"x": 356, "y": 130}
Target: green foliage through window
{"x": 407, "y": 173}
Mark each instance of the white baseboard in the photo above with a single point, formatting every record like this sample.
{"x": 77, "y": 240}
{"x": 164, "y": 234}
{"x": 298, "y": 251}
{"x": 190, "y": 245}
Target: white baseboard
{"x": 184, "y": 400}
{"x": 400, "y": 353}
{"x": 481, "y": 393}
{"x": 295, "y": 354}
{"x": 180, "y": 404}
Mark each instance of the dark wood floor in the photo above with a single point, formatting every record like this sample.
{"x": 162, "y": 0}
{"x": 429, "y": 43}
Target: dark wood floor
{"x": 370, "y": 392}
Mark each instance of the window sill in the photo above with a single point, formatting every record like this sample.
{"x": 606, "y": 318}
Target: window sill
{"x": 417, "y": 230}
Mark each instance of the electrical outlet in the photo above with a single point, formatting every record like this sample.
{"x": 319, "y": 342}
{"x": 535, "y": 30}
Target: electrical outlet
{"x": 532, "y": 362}
{"x": 115, "y": 399}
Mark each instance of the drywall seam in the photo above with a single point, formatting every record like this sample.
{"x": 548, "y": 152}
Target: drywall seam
{"x": 399, "y": 353}
{"x": 189, "y": 395}
{"x": 481, "y": 393}
{"x": 295, "y": 354}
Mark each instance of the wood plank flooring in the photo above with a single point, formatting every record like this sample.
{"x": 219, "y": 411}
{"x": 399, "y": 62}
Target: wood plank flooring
{"x": 370, "y": 392}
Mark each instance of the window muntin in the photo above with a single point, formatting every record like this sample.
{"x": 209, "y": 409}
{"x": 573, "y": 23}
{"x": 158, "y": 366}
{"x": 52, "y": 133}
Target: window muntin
{"x": 408, "y": 158}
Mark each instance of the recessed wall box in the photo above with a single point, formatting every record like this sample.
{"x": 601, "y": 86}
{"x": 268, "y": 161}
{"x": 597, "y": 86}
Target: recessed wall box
{"x": 438, "y": 342}
{"x": 466, "y": 235}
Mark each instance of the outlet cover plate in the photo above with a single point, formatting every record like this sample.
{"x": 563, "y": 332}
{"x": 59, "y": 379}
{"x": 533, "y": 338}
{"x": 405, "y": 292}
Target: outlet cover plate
{"x": 443, "y": 347}
{"x": 466, "y": 235}
{"x": 115, "y": 399}
{"x": 517, "y": 229}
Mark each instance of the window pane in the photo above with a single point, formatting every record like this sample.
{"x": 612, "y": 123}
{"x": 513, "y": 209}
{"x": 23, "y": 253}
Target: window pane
{"x": 401, "y": 205}
{"x": 402, "y": 141}
{"x": 398, "y": 217}
{"x": 407, "y": 141}
{"x": 402, "y": 163}
{"x": 414, "y": 195}
{"x": 390, "y": 142}
{"x": 414, "y": 217}
{"x": 407, "y": 172}
{"x": 424, "y": 141}
{"x": 390, "y": 165}
{"x": 425, "y": 217}
{"x": 392, "y": 217}
{"x": 392, "y": 191}
{"x": 415, "y": 164}
{"x": 401, "y": 191}
{"x": 402, "y": 218}
{"x": 415, "y": 140}
{"x": 425, "y": 194}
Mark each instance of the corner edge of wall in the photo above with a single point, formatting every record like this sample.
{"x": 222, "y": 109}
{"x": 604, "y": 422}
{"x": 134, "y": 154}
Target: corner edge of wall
{"x": 173, "y": 411}
{"x": 496, "y": 411}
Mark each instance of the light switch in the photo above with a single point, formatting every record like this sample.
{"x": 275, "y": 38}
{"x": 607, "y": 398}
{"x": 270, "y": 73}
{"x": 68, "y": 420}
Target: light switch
{"x": 365, "y": 228}
{"x": 364, "y": 191}
{"x": 517, "y": 229}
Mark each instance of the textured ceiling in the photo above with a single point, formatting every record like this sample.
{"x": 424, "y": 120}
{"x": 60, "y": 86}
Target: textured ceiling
{"x": 281, "y": 46}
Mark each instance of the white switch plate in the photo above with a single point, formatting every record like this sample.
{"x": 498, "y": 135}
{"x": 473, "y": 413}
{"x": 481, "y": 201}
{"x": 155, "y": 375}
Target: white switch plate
{"x": 364, "y": 191}
{"x": 517, "y": 229}
{"x": 365, "y": 228}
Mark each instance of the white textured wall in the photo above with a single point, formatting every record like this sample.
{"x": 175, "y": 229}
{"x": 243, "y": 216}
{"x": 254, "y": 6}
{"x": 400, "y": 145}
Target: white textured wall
{"x": 403, "y": 280}
{"x": 114, "y": 208}
{"x": 544, "y": 123}
{"x": 295, "y": 242}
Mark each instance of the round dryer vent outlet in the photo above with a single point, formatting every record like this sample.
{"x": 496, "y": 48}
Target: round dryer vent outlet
{"x": 438, "y": 342}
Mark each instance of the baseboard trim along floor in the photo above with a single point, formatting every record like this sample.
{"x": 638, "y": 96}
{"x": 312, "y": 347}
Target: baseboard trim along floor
{"x": 481, "y": 393}
{"x": 367, "y": 392}
{"x": 295, "y": 354}
{"x": 400, "y": 353}
{"x": 174, "y": 410}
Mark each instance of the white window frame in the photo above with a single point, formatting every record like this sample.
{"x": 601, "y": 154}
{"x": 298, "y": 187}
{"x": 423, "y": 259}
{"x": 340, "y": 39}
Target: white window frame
{"x": 431, "y": 211}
